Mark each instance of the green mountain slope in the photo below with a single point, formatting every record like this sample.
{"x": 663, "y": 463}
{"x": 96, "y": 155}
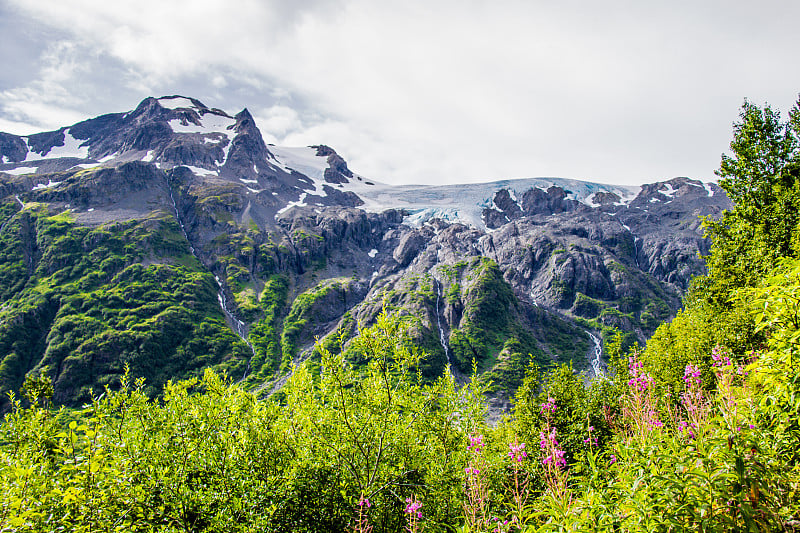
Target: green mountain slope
{"x": 174, "y": 239}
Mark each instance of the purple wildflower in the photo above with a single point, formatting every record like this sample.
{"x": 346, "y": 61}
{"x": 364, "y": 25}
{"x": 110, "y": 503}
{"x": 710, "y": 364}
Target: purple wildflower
{"x": 517, "y": 452}
{"x": 721, "y": 356}
{"x": 412, "y": 508}
{"x": 549, "y": 407}
{"x": 687, "y": 428}
{"x": 640, "y": 380}
{"x": 554, "y": 454}
{"x": 691, "y": 375}
{"x": 475, "y": 443}
{"x": 591, "y": 440}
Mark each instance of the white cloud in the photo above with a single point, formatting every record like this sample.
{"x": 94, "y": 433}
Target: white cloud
{"x": 277, "y": 122}
{"x": 418, "y": 91}
{"x": 19, "y": 128}
{"x": 48, "y": 102}
{"x": 219, "y": 81}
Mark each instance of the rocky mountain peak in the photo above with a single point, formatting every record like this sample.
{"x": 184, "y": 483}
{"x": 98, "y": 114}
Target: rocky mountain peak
{"x": 494, "y": 271}
{"x": 245, "y": 119}
{"x": 178, "y": 102}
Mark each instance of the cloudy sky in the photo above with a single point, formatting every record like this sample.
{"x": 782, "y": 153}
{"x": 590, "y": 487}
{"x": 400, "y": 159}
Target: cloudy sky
{"x": 422, "y": 91}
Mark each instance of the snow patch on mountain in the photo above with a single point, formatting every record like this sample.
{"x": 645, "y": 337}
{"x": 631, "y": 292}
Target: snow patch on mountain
{"x": 71, "y": 147}
{"x": 590, "y": 200}
{"x": 670, "y": 190}
{"x": 50, "y": 183}
{"x": 201, "y": 171}
{"x": 20, "y": 171}
{"x": 302, "y": 159}
{"x": 176, "y": 102}
{"x": 209, "y": 123}
{"x": 301, "y": 202}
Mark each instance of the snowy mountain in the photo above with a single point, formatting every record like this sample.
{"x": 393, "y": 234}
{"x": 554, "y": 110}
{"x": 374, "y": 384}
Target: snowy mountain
{"x": 175, "y": 131}
{"x": 296, "y": 245}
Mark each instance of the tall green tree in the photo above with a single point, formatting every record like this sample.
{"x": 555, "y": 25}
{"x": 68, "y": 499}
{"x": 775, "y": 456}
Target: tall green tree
{"x": 762, "y": 146}
{"x": 761, "y": 175}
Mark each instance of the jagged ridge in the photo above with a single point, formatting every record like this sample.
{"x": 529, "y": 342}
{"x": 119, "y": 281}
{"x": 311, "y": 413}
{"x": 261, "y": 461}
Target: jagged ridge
{"x": 279, "y": 227}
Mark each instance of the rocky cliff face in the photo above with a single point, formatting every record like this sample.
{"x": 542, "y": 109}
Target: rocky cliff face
{"x": 266, "y": 248}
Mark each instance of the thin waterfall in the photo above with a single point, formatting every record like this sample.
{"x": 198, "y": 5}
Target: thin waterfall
{"x": 180, "y": 222}
{"x": 635, "y": 245}
{"x": 238, "y": 327}
{"x": 598, "y": 352}
{"x": 442, "y": 336}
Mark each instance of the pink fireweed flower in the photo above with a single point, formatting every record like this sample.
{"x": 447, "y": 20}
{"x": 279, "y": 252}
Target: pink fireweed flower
{"x": 413, "y": 508}
{"x": 544, "y": 440}
{"x": 612, "y": 459}
{"x": 653, "y": 420}
{"x": 556, "y": 458}
{"x": 722, "y": 361}
{"x": 695, "y": 403}
{"x": 475, "y": 443}
{"x": 591, "y": 440}
{"x": 500, "y": 526}
{"x": 640, "y": 380}
{"x": 691, "y": 375}
{"x": 640, "y": 405}
{"x": 362, "y": 525}
{"x": 517, "y": 484}
{"x": 553, "y": 453}
{"x": 476, "y": 497}
{"x": 517, "y": 452}
{"x": 553, "y": 461}
{"x": 721, "y": 356}
{"x": 549, "y": 407}
{"x": 686, "y": 427}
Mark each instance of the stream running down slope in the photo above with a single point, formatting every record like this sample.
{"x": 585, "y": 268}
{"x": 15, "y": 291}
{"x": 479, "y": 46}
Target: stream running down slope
{"x": 442, "y": 336}
{"x": 598, "y": 352}
{"x": 238, "y": 327}
{"x": 457, "y": 375}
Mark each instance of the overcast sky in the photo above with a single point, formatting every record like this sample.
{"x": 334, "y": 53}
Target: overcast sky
{"x": 424, "y": 91}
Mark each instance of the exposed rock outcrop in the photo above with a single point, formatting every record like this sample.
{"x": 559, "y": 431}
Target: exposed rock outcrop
{"x": 504, "y": 272}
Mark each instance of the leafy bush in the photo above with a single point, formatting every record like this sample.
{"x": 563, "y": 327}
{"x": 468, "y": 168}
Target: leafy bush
{"x": 699, "y": 432}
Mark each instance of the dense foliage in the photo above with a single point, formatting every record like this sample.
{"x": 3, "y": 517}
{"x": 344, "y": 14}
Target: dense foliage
{"x": 90, "y": 301}
{"x": 700, "y": 431}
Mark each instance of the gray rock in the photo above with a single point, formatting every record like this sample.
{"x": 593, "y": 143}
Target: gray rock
{"x": 611, "y": 259}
